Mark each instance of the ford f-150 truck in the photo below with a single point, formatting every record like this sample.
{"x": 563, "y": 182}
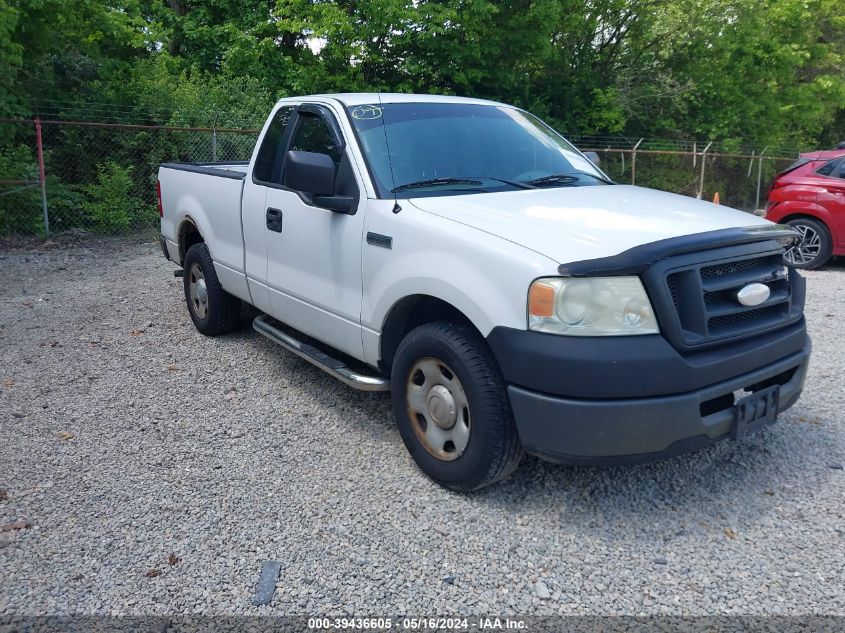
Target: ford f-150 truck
{"x": 462, "y": 255}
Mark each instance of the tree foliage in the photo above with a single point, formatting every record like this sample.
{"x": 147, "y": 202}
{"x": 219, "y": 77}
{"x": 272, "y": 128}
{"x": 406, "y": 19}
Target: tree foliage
{"x": 750, "y": 71}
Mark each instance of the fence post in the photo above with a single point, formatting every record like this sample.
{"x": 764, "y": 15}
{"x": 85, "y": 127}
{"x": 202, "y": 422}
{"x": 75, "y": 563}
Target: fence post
{"x": 759, "y": 176}
{"x": 214, "y": 140}
{"x": 703, "y": 163}
{"x": 634, "y": 162}
{"x": 43, "y": 180}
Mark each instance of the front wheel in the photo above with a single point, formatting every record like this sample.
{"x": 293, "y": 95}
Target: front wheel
{"x": 813, "y": 249}
{"x": 450, "y": 404}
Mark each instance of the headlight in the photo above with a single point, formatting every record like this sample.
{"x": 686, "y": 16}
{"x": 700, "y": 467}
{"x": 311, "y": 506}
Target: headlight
{"x": 590, "y": 306}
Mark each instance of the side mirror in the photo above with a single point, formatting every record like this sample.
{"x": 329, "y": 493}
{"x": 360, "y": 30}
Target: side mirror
{"x": 309, "y": 172}
{"x": 594, "y": 157}
{"x": 314, "y": 175}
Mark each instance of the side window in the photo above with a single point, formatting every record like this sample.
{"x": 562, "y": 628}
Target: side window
{"x": 313, "y": 135}
{"x": 268, "y": 163}
{"x": 831, "y": 168}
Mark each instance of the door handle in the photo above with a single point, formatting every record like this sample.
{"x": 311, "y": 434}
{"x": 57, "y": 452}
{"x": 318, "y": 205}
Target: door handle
{"x": 274, "y": 219}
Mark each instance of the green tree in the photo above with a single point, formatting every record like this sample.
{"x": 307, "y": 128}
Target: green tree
{"x": 766, "y": 71}
{"x": 750, "y": 71}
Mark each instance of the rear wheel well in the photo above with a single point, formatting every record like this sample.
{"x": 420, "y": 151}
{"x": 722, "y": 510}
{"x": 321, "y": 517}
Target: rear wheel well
{"x": 803, "y": 216}
{"x": 189, "y": 235}
{"x": 409, "y": 313}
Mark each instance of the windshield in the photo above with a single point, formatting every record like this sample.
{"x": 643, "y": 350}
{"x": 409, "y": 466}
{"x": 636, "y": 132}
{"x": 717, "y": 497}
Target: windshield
{"x": 425, "y": 149}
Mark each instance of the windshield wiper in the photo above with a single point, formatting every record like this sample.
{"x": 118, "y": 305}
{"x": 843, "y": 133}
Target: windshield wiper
{"x": 436, "y": 181}
{"x": 571, "y": 176}
{"x": 465, "y": 180}
{"x": 512, "y": 183}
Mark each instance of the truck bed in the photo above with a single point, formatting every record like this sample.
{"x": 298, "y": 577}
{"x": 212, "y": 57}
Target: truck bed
{"x": 209, "y": 194}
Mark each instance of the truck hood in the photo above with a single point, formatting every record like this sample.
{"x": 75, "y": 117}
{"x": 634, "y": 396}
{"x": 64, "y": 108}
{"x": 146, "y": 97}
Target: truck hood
{"x": 569, "y": 224}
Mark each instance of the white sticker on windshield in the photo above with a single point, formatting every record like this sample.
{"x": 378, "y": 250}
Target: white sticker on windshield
{"x": 366, "y": 112}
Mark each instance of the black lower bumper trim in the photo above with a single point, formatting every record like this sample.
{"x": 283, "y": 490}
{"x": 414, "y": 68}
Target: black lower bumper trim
{"x": 630, "y": 430}
{"x": 681, "y": 447}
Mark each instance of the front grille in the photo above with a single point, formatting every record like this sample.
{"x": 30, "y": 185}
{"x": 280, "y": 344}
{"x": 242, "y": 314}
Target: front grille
{"x": 672, "y": 282}
{"x": 727, "y": 321}
{"x": 742, "y": 266}
{"x": 703, "y": 295}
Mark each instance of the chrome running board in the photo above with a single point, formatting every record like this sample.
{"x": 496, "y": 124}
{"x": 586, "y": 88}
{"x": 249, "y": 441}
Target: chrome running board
{"x": 332, "y": 366}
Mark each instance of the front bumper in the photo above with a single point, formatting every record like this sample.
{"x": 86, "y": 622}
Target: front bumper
{"x": 612, "y": 426}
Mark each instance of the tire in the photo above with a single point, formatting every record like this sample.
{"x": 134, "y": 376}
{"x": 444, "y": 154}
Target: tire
{"x": 220, "y": 312}
{"x": 445, "y": 371}
{"x": 815, "y": 248}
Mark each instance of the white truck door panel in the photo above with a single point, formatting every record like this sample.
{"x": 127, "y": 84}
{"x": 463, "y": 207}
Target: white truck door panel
{"x": 313, "y": 255}
{"x": 314, "y": 271}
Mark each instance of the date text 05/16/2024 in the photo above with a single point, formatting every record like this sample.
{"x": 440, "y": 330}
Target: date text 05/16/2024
{"x": 418, "y": 624}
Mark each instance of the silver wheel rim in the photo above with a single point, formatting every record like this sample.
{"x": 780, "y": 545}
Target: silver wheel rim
{"x": 807, "y": 248}
{"x": 438, "y": 408}
{"x": 198, "y": 291}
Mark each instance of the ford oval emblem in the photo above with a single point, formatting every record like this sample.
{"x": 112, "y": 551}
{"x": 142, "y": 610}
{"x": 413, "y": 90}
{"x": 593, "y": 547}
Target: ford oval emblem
{"x": 753, "y": 294}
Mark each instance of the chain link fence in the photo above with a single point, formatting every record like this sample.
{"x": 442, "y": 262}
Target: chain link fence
{"x": 100, "y": 177}
{"x": 740, "y": 177}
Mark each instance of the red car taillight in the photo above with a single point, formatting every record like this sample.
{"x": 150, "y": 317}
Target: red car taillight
{"x": 158, "y": 197}
{"x": 777, "y": 183}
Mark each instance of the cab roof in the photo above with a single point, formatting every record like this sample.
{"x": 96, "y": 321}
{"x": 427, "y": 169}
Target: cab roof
{"x": 367, "y": 98}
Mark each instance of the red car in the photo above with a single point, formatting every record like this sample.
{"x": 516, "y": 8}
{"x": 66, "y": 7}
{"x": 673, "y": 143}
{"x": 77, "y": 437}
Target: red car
{"x": 810, "y": 196}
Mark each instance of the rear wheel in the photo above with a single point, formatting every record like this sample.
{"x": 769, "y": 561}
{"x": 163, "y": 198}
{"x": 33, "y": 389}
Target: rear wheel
{"x": 213, "y": 310}
{"x": 813, "y": 249}
{"x": 450, "y": 404}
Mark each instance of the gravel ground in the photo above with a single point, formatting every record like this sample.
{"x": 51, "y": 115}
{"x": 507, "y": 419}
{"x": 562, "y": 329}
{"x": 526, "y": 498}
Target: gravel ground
{"x": 152, "y": 471}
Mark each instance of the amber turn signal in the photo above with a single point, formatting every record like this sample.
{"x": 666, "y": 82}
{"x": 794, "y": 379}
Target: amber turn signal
{"x": 541, "y": 300}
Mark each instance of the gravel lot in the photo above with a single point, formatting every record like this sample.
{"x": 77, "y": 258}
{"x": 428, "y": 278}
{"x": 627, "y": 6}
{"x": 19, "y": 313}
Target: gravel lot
{"x": 157, "y": 470}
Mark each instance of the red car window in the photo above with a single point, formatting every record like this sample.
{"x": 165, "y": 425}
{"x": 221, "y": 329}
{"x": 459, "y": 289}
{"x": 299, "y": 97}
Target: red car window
{"x": 831, "y": 168}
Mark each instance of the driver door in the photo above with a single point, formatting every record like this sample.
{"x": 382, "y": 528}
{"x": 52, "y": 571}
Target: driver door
{"x": 313, "y": 253}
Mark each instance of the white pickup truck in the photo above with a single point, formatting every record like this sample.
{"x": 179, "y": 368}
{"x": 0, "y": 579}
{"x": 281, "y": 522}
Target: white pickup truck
{"x": 464, "y": 256}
